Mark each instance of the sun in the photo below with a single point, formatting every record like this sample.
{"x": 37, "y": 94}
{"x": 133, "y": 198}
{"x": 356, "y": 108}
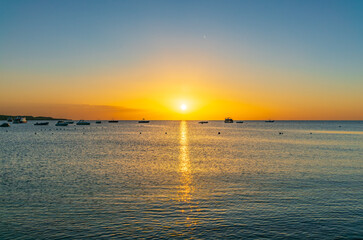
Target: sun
{"x": 183, "y": 107}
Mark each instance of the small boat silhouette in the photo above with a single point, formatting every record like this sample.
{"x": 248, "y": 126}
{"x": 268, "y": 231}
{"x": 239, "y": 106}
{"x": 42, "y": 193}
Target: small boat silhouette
{"x": 83, "y": 122}
{"x": 228, "y": 120}
{"x": 41, "y": 123}
{"x": 61, "y": 124}
{"x": 144, "y": 121}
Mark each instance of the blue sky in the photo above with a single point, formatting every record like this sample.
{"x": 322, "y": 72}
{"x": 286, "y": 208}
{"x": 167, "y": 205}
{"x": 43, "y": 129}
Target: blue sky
{"x": 328, "y": 32}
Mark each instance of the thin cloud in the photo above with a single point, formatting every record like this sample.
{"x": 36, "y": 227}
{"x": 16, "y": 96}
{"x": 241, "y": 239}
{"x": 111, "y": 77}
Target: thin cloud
{"x": 72, "y": 111}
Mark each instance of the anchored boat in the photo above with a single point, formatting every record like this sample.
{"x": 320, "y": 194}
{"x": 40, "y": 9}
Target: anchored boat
{"x": 61, "y": 124}
{"x": 144, "y": 121}
{"x": 83, "y": 122}
{"x": 20, "y": 119}
{"x": 41, "y": 123}
{"x": 228, "y": 120}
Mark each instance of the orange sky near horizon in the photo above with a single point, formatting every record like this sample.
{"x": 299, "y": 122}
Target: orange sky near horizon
{"x": 156, "y": 89}
{"x": 157, "y": 92}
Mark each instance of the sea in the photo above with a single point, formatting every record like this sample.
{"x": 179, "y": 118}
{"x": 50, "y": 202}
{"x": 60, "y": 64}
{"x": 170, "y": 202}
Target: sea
{"x": 182, "y": 180}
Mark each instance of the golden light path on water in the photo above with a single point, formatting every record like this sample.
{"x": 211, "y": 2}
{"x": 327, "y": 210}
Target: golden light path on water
{"x": 186, "y": 187}
{"x": 185, "y": 190}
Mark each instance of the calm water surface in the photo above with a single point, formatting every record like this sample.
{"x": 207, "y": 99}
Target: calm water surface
{"x": 181, "y": 179}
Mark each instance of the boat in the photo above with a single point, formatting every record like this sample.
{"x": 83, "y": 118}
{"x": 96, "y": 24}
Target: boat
{"x": 10, "y": 119}
{"x": 83, "y": 122}
{"x": 41, "y": 123}
{"x": 239, "y": 121}
{"x": 113, "y": 121}
{"x": 270, "y": 121}
{"x": 69, "y": 122}
{"x": 202, "y": 122}
{"x": 20, "y": 119}
{"x": 5, "y": 125}
{"x": 98, "y": 122}
{"x": 144, "y": 121}
{"x": 61, "y": 123}
{"x": 228, "y": 120}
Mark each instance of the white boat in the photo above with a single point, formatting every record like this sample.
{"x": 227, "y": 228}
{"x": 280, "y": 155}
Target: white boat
{"x": 61, "y": 123}
{"x": 20, "y": 119}
{"x": 83, "y": 122}
{"x": 228, "y": 120}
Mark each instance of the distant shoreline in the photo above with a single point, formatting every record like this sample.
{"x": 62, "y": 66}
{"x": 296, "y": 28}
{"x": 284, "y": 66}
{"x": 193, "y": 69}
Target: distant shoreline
{"x": 5, "y": 117}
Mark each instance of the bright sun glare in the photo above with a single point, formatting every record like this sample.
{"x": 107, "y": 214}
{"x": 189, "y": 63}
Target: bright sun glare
{"x": 183, "y": 107}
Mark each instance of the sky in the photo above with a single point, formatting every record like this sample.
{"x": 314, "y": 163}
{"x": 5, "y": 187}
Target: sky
{"x": 249, "y": 60}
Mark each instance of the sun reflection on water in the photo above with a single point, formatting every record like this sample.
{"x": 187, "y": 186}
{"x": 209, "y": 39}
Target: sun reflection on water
{"x": 187, "y": 207}
{"x": 186, "y": 188}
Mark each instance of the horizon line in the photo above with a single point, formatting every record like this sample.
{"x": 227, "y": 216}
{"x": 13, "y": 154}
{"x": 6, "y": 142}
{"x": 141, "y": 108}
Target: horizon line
{"x": 57, "y": 118}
